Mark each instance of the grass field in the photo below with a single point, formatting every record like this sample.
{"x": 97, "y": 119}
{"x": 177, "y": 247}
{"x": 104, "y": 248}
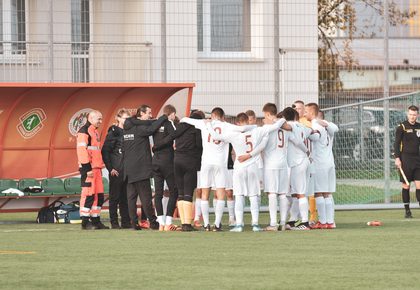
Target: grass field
{"x": 354, "y": 256}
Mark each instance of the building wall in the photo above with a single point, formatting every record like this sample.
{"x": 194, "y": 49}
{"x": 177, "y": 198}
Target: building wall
{"x": 127, "y": 46}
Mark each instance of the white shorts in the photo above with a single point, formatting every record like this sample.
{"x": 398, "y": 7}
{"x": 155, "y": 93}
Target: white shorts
{"x": 229, "y": 180}
{"x": 299, "y": 177}
{"x": 261, "y": 177}
{"x": 246, "y": 181}
{"x": 324, "y": 180}
{"x": 213, "y": 176}
{"x": 276, "y": 180}
{"x": 198, "y": 180}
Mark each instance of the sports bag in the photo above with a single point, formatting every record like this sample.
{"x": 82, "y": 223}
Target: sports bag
{"x": 69, "y": 213}
{"x": 48, "y": 214}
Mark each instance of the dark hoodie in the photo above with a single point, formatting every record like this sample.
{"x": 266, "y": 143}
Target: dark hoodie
{"x": 112, "y": 149}
{"x": 136, "y": 147}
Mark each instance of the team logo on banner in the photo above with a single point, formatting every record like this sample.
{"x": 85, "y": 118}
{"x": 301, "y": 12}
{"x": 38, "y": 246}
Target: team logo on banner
{"x": 78, "y": 120}
{"x": 31, "y": 123}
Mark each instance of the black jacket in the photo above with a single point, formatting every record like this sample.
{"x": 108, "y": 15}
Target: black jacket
{"x": 137, "y": 153}
{"x": 187, "y": 142}
{"x": 165, "y": 152}
{"x": 407, "y": 139}
{"x": 112, "y": 149}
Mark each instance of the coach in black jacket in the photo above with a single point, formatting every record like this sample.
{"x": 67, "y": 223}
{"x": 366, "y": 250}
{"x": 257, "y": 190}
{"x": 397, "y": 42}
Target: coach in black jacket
{"x": 163, "y": 170}
{"x": 187, "y": 162}
{"x": 138, "y": 163}
{"x": 113, "y": 159}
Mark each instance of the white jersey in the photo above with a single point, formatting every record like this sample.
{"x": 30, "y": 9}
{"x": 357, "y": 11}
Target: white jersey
{"x": 249, "y": 142}
{"x": 320, "y": 147}
{"x": 331, "y": 130}
{"x": 296, "y": 151}
{"x": 215, "y": 152}
{"x": 275, "y": 152}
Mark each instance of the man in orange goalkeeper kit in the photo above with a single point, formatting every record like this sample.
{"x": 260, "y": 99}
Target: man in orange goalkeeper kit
{"x": 90, "y": 166}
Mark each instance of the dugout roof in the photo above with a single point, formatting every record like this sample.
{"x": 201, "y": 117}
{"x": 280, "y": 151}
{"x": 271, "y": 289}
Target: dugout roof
{"x": 39, "y": 121}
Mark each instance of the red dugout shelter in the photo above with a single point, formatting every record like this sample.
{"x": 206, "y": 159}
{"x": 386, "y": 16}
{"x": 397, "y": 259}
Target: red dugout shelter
{"x": 39, "y": 121}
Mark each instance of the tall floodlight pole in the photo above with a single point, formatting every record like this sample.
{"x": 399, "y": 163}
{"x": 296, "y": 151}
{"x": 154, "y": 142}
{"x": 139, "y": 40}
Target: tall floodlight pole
{"x": 387, "y": 167}
{"x": 276, "y": 40}
{"x": 164, "y": 68}
{"x": 51, "y": 42}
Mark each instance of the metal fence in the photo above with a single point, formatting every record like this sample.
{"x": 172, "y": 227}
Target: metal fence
{"x": 241, "y": 54}
{"x": 365, "y": 167}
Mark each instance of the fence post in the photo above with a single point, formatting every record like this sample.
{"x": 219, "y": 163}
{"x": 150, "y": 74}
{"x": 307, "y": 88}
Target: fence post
{"x": 387, "y": 168}
{"x": 362, "y": 138}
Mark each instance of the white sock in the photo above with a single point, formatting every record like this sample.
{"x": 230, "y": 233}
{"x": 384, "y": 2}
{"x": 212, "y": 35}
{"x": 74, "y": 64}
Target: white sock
{"x": 255, "y": 209}
{"x": 284, "y": 208}
{"x": 303, "y": 209}
{"x": 231, "y": 209}
{"x": 329, "y": 210}
{"x": 294, "y": 210}
{"x": 161, "y": 220}
{"x": 165, "y": 201}
{"x": 168, "y": 220}
{"x": 290, "y": 200}
{"x": 239, "y": 209}
{"x": 197, "y": 209}
{"x": 205, "y": 212}
{"x": 272, "y": 207}
{"x": 220, "y": 206}
{"x": 320, "y": 206}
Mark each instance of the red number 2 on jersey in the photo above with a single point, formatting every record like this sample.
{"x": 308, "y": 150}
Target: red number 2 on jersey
{"x": 218, "y": 130}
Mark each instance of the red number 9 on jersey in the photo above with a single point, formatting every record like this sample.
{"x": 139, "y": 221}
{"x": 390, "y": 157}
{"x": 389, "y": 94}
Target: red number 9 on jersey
{"x": 280, "y": 134}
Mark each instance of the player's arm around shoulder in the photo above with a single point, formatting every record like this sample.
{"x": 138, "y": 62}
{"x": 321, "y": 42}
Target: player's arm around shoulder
{"x": 197, "y": 123}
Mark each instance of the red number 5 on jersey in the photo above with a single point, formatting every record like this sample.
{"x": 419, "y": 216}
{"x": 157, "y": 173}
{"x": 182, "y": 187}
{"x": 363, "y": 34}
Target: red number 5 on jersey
{"x": 248, "y": 142}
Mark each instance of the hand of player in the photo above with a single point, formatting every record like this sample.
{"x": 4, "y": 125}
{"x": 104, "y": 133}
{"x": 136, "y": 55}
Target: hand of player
{"x": 322, "y": 123}
{"x": 89, "y": 174}
{"x": 244, "y": 157}
{"x": 398, "y": 162}
{"x": 114, "y": 172}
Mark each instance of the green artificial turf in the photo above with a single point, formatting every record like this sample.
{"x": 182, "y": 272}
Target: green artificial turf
{"x": 353, "y": 256}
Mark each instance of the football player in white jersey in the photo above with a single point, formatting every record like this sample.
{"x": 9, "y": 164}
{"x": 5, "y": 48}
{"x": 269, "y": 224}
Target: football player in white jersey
{"x": 253, "y": 121}
{"x": 298, "y": 161}
{"x": 329, "y": 206}
{"x": 299, "y": 106}
{"x": 324, "y": 176}
{"x": 276, "y": 177}
{"x": 245, "y": 175}
{"x": 213, "y": 165}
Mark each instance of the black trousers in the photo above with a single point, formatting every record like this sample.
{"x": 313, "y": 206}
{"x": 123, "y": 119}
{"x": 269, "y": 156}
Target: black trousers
{"x": 118, "y": 198}
{"x": 185, "y": 177}
{"x": 143, "y": 190}
{"x": 161, "y": 172}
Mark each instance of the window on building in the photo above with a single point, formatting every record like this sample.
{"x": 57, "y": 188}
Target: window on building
{"x": 12, "y": 27}
{"x": 80, "y": 37}
{"x": 224, "y": 25}
{"x": 415, "y": 80}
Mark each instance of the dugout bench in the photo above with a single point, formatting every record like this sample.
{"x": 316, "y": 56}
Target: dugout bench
{"x": 55, "y": 189}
